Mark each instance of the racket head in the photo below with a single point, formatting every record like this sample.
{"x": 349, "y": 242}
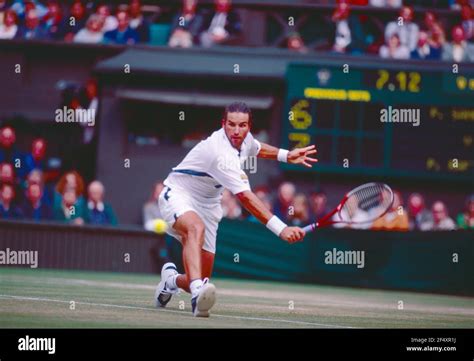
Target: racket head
{"x": 365, "y": 203}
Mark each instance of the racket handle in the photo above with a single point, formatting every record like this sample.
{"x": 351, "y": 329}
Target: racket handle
{"x": 309, "y": 228}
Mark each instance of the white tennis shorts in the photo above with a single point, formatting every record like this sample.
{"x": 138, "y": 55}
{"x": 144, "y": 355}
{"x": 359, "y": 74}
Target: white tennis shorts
{"x": 174, "y": 202}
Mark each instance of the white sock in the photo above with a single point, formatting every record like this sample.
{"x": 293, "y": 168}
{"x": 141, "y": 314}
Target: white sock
{"x": 195, "y": 286}
{"x": 171, "y": 282}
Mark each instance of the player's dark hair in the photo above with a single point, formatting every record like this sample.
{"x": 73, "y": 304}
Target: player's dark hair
{"x": 238, "y": 107}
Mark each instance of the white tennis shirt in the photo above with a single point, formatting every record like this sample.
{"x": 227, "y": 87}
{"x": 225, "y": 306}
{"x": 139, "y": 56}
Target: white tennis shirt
{"x": 212, "y": 165}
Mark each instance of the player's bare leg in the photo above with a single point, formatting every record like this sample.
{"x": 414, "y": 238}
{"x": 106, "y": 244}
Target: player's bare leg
{"x": 191, "y": 229}
{"x": 207, "y": 264}
{"x": 197, "y": 263}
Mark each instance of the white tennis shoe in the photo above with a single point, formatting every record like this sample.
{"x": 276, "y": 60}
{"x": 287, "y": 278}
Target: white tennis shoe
{"x": 163, "y": 292}
{"x": 203, "y": 302}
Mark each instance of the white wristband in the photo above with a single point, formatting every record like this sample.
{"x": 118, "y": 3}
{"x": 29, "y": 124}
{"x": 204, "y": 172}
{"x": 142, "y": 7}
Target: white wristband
{"x": 283, "y": 155}
{"x": 276, "y": 225}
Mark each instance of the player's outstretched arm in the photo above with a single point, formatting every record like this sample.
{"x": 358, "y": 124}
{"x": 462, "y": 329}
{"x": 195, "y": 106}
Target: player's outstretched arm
{"x": 255, "y": 206}
{"x": 296, "y": 156}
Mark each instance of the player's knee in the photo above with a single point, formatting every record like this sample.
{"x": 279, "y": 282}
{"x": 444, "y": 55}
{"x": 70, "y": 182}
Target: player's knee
{"x": 195, "y": 232}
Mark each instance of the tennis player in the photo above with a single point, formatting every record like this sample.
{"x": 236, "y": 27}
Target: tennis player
{"x": 190, "y": 203}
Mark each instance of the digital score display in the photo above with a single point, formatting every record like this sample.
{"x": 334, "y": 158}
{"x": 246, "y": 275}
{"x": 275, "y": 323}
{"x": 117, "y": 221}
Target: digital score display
{"x": 383, "y": 122}
{"x": 405, "y": 81}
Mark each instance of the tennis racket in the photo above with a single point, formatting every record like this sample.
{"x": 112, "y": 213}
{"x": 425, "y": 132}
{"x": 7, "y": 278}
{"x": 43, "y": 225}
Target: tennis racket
{"x": 363, "y": 204}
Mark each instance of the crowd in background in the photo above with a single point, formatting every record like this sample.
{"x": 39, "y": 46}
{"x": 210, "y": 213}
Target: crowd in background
{"x": 101, "y": 23}
{"x": 32, "y": 188}
{"x": 81, "y": 22}
{"x": 298, "y": 209}
{"x": 404, "y": 38}
{"x": 408, "y": 36}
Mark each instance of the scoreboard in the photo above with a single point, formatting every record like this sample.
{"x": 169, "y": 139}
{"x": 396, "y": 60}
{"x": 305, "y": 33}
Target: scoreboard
{"x": 382, "y": 121}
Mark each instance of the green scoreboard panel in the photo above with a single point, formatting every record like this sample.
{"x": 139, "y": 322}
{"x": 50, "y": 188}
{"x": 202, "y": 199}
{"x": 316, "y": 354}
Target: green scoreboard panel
{"x": 387, "y": 122}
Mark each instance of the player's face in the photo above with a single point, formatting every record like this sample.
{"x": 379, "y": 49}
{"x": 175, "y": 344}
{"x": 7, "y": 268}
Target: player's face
{"x": 236, "y": 127}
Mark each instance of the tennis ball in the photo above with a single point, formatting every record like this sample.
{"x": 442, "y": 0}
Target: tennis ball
{"x": 156, "y": 225}
{"x": 159, "y": 226}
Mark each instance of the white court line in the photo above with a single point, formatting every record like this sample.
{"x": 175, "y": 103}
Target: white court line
{"x": 170, "y": 311}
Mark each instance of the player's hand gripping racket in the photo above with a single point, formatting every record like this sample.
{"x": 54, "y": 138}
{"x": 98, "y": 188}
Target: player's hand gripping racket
{"x": 363, "y": 204}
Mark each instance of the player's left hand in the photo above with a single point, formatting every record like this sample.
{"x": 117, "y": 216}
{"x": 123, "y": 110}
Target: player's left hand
{"x": 301, "y": 156}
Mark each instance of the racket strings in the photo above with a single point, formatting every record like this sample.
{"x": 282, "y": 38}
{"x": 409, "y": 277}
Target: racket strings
{"x": 366, "y": 203}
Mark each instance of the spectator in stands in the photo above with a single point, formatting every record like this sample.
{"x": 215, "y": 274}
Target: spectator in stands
{"x": 75, "y": 22}
{"x": 424, "y": 50}
{"x": 8, "y": 28}
{"x": 386, "y": 3}
{"x": 123, "y": 34}
{"x": 365, "y": 34}
{"x": 286, "y": 195}
{"x": 343, "y": 32}
{"x": 396, "y": 219}
{"x": 458, "y": 50}
{"x": 110, "y": 22}
{"x": 435, "y": 30}
{"x": 394, "y": 49}
{"x": 8, "y": 151}
{"x": 437, "y": 38}
{"x": 138, "y": 22}
{"x": 8, "y": 208}
{"x": 31, "y": 28}
{"x": 99, "y": 212}
{"x": 318, "y": 204}
{"x": 419, "y": 216}
{"x": 89, "y": 94}
{"x": 441, "y": 220}
{"x": 467, "y": 16}
{"x": 69, "y": 210}
{"x": 7, "y": 174}
{"x": 36, "y": 177}
{"x": 52, "y": 22}
{"x": 36, "y": 159}
{"x": 21, "y": 8}
{"x": 230, "y": 206}
{"x": 429, "y": 20}
{"x": 151, "y": 210}
{"x": 405, "y": 28}
{"x": 34, "y": 207}
{"x": 69, "y": 181}
{"x": 299, "y": 216}
{"x": 89, "y": 100}
{"x": 186, "y": 26}
{"x": 222, "y": 25}
{"x": 295, "y": 43}
{"x": 465, "y": 220}
{"x": 92, "y": 33}
{"x": 458, "y": 4}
